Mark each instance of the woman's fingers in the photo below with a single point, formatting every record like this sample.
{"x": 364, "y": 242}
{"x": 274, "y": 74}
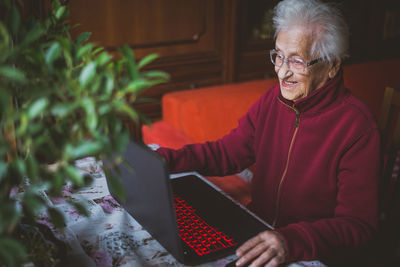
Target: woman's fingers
{"x": 264, "y": 249}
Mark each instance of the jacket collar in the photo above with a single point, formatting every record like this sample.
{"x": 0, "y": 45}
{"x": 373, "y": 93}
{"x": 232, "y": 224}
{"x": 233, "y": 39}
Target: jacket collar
{"x": 320, "y": 98}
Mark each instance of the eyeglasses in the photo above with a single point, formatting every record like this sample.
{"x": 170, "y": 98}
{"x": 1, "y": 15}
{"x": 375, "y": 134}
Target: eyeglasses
{"x": 296, "y": 65}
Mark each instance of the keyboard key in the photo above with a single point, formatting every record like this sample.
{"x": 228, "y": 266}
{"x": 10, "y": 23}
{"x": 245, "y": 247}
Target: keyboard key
{"x": 200, "y": 236}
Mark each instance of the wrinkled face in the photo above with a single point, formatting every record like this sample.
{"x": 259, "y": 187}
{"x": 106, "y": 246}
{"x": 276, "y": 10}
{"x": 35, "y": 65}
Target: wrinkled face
{"x": 296, "y": 42}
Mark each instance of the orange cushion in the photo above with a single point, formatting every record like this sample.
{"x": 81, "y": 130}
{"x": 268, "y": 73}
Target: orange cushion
{"x": 162, "y": 133}
{"x": 197, "y": 113}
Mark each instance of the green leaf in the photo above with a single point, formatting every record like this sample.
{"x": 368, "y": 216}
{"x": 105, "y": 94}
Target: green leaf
{"x": 147, "y": 60}
{"x": 5, "y": 100}
{"x": 3, "y": 170}
{"x": 20, "y": 164}
{"x": 37, "y": 107}
{"x": 74, "y": 175}
{"x": 60, "y": 12}
{"x": 35, "y": 33}
{"x": 15, "y": 20}
{"x": 97, "y": 50}
{"x": 115, "y": 186}
{"x": 10, "y": 214}
{"x": 35, "y": 128}
{"x": 122, "y": 140}
{"x": 156, "y": 82}
{"x": 23, "y": 124}
{"x": 126, "y": 109}
{"x": 66, "y": 46}
{"x": 11, "y": 251}
{"x": 7, "y": 258}
{"x": 57, "y": 184}
{"x": 138, "y": 86}
{"x": 32, "y": 202}
{"x": 87, "y": 74}
{"x": 63, "y": 109}
{"x": 32, "y": 168}
{"x": 53, "y": 53}
{"x": 133, "y": 87}
{"x": 95, "y": 86}
{"x": 56, "y": 217}
{"x": 81, "y": 207}
{"x": 130, "y": 62}
{"x": 109, "y": 84}
{"x": 83, "y": 37}
{"x": 55, "y": 5}
{"x": 103, "y": 58}
{"x": 91, "y": 116}
{"x": 85, "y": 149}
{"x": 4, "y": 37}
{"x": 83, "y": 50}
{"x": 12, "y": 73}
{"x": 156, "y": 74}
{"x": 17, "y": 169}
{"x": 105, "y": 108}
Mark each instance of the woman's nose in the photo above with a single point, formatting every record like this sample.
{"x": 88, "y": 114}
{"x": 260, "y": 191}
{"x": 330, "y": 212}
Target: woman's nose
{"x": 284, "y": 71}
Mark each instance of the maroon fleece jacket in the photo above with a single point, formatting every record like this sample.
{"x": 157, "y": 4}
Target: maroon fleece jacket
{"x": 316, "y": 167}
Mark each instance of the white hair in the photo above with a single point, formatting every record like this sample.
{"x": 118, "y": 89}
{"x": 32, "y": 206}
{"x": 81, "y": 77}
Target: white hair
{"x": 324, "y": 20}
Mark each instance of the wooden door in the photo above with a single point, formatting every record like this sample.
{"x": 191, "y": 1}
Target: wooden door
{"x": 191, "y": 38}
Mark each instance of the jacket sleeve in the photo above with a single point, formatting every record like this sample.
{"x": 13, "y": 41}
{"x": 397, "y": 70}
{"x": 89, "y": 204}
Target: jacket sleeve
{"x": 356, "y": 214}
{"x": 230, "y": 154}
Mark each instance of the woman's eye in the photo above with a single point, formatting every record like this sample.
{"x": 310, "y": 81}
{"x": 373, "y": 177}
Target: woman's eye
{"x": 297, "y": 62}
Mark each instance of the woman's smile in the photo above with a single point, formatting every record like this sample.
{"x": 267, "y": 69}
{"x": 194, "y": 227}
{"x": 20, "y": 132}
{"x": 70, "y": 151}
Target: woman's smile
{"x": 289, "y": 83}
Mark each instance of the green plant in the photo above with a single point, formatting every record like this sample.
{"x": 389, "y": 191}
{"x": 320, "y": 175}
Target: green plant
{"x": 60, "y": 100}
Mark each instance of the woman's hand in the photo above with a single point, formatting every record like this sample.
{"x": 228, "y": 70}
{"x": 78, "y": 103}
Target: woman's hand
{"x": 265, "y": 249}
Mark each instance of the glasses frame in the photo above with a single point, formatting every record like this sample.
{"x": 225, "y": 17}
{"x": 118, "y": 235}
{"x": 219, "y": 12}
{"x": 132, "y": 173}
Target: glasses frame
{"x": 286, "y": 60}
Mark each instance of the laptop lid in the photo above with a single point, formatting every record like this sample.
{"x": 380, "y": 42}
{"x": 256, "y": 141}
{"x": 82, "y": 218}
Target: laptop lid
{"x": 149, "y": 199}
{"x": 149, "y": 196}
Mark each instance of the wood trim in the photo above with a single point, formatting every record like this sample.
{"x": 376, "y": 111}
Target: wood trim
{"x": 194, "y": 38}
{"x": 230, "y": 40}
{"x": 190, "y": 68}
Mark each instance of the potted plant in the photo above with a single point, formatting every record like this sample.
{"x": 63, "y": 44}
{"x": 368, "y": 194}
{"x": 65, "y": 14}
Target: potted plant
{"x": 60, "y": 100}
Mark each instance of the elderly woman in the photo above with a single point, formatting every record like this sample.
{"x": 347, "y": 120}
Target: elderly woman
{"x": 315, "y": 146}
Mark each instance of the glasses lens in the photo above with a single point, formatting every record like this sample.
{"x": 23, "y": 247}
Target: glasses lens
{"x": 297, "y": 65}
{"x": 276, "y": 59}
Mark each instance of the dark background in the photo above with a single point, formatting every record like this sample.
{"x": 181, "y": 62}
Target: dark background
{"x": 210, "y": 42}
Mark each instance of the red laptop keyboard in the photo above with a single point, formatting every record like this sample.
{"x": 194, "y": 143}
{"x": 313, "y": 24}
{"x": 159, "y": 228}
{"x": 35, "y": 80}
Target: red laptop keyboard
{"x": 200, "y": 236}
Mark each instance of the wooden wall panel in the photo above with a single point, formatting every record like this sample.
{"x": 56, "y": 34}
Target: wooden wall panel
{"x": 189, "y": 36}
{"x": 169, "y": 28}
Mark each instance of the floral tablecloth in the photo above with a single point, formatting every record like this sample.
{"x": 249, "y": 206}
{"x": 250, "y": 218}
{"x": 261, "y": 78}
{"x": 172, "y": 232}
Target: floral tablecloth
{"x": 110, "y": 236}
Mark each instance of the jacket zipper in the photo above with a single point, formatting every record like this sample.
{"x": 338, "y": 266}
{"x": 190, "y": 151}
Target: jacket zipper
{"x": 297, "y": 122}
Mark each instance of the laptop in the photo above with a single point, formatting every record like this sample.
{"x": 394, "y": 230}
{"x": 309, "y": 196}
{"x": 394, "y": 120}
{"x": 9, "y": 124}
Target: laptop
{"x": 187, "y": 215}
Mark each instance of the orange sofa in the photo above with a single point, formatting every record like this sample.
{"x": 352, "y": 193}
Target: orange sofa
{"x": 209, "y": 113}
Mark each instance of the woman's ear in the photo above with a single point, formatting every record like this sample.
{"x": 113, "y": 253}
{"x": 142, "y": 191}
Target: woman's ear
{"x": 334, "y": 68}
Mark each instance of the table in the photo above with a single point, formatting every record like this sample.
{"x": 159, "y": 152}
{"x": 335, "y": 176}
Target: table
{"x": 110, "y": 236}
